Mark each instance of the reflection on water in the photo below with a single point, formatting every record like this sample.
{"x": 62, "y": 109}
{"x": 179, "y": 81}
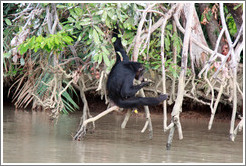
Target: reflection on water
{"x": 29, "y": 137}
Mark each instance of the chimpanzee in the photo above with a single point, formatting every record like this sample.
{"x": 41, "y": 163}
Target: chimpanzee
{"x": 120, "y": 80}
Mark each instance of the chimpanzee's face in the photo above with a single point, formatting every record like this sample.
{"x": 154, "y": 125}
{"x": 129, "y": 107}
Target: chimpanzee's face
{"x": 139, "y": 73}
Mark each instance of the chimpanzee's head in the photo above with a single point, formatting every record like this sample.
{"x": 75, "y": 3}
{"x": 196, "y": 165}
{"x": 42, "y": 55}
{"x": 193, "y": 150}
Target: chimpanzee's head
{"x": 138, "y": 69}
{"x": 140, "y": 72}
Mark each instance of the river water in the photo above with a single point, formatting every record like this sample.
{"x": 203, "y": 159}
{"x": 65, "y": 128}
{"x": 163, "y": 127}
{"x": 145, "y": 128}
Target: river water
{"x": 30, "y": 137}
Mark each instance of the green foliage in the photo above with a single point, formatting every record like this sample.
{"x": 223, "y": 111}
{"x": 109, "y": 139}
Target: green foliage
{"x": 209, "y": 15}
{"x": 230, "y": 21}
{"x": 69, "y": 104}
{"x": 239, "y": 5}
{"x": 54, "y": 42}
{"x": 43, "y": 88}
{"x": 7, "y": 21}
{"x": 7, "y": 55}
{"x": 42, "y": 84}
{"x": 231, "y": 24}
{"x": 91, "y": 22}
{"x": 171, "y": 40}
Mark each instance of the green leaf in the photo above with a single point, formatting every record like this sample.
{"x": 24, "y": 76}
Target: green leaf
{"x": 67, "y": 107}
{"x": 235, "y": 7}
{"x": 32, "y": 42}
{"x": 80, "y": 36}
{"x": 124, "y": 42}
{"x": 169, "y": 26}
{"x": 174, "y": 72}
{"x": 64, "y": 111}
{"x": 22, "y": 61}
{"x": 36, "y": 48}
{"x": 88, "y": 42}
{"x": 69, "y": 99}
{"x": 68, "y": 40}
{"x": 95, "y": 57}
{"x": 60, "y": 6}
{"x": 107, "y": 22}
{"x": 119, "y": 53}
{"x": 74, "y": 15}
{"x": 77, "y": 25}
{"x": 84, "y": 23}
{"x": 99, "y": 30}
{"x": 168, "y": 61}
{"x": 8, "y": 22}
{"x": 104, "y": 15}
{"x": 7, "y": 54}
{"x": 56, "y": 40}
{"x": 157, "y": 66}
{"x": 39, "y": 39}
{"x": 99, "y": 59}
{"x": 86, "y": 19}
{"x": 113, "y": 39}
{"x": 23, "y": 49}
{"x": 48, "y": 43}
{"x": 105, "y": 50}
{"x": 105, "y": 59}
{"x": 71, "y": 19}
{"x": 202, "y": 17}
{"x": 209, "y": 15}
{"x": 43, "y": 44}
{"x": 167, "y": 43}
{"x": 78, "y": 11}
{"x": 96, "y": 37}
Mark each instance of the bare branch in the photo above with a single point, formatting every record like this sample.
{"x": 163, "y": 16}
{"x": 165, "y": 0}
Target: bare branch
{"x": 198, "y": 43}
{"x": 234, "y": 64}
{"x": 196, "y": 99}
{"x": 127, "y": 116}
{"x": 82, "y": 130}
{"x": 179, "y": 100}
{"x": 238, "y": 36}
{"x": 139, "y": 31}
{"x": 153, "y": 11}
{"x": 213, "y": 111}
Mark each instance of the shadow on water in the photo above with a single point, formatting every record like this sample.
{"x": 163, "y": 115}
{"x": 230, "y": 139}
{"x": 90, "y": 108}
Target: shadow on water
{"x": 30, "y": 137}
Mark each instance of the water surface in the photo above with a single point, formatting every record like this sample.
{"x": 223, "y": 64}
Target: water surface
{"x": 30, "y": 137}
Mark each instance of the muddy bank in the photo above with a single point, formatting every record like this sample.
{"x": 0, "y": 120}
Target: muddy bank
{"x": 191, "y": 110}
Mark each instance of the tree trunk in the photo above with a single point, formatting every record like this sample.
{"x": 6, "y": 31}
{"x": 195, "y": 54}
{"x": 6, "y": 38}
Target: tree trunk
{"x": 189, "y": 8}
{"x": 200, "y": 56}
{"x": 212, "y": 28}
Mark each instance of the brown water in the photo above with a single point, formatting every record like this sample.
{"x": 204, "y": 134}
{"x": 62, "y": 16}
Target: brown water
{"x": 29, "y": 137}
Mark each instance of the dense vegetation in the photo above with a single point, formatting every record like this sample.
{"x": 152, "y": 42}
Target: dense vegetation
{"x": 54, "y": 53}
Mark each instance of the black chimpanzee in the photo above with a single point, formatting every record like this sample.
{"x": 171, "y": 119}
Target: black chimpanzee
{"x": 120, "y": 80}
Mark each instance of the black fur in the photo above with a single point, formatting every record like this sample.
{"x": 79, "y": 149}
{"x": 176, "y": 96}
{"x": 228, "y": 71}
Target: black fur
{"x": 120, "y": 80}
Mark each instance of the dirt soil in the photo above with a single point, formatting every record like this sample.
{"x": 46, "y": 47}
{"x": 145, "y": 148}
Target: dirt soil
{"x": 198, "y": 112}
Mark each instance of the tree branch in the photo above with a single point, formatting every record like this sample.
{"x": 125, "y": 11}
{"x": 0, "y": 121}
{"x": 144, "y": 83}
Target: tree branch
{"x": 139, "y": 31}
{"x": 82, "y": 130}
